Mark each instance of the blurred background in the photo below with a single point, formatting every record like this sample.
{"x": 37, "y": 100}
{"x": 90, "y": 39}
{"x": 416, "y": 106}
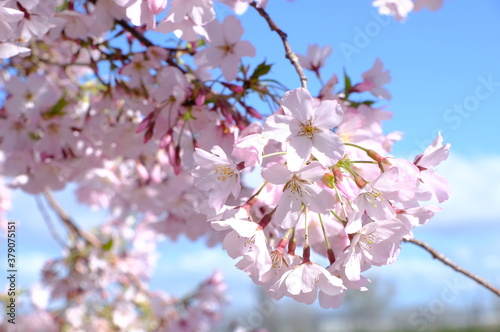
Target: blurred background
{"x": 445, "y": 77}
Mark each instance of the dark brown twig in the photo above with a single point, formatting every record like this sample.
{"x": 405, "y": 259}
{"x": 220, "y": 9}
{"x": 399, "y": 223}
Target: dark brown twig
{"x": 288, "y": 49}
{"x": 133, "y": 31}
{"x": 454, "y": 265}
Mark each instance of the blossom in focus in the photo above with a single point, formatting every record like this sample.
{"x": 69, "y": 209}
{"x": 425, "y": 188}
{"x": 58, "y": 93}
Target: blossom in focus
{"x": 216, "y": 174}
{"x": 306, "y": 128}
{"x": 372, "y": 245}
{"x": 299, "y": 189}
{"x": 303, "y": 282}
{"x": 245, "y": 239}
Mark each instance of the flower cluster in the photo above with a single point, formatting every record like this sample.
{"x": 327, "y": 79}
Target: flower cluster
{"x": 331, "y": 189}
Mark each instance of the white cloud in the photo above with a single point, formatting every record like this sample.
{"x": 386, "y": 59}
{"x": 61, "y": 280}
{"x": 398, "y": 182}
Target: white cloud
{"x": 475, "y": 190}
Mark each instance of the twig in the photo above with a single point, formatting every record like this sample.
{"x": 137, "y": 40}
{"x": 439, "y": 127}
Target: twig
{"x": 133, "y": 31}
{"x": 88, "y": 237}
{"x": 454, "y": 265}
{"x": 48, "y": 221}
{"x": 288, "y": 49}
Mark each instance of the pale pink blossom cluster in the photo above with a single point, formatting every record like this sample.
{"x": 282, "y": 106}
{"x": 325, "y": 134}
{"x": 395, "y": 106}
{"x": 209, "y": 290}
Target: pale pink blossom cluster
{"x": 333, "y": 191}
{"x": 166, "y": 129}
{"x": 106, "y": 289}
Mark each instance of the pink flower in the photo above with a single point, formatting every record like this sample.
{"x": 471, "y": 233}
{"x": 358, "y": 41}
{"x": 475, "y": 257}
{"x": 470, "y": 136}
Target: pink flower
{"x": 299, "y": 189}
{"x": 226, "y": 49}
{"x": 217, "y": 175}
{"x": 138, "y": 70}
{"x": 315, "y": 58}
{"x": 432, "y": 182}
{"x": 303, "y": 282}
{"x": 305, "y": 128}
{"x": 245, "y": 238}
{"x": 250, "y": 149}
{"x": 373, "y": 81}
{"x": 372, "y": 245}
{"x": 374, "y": 197}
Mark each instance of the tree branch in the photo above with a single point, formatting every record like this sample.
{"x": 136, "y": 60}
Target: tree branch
{"x": 133, "y": 31}
{"x": 88, "y": 237}
{"x": 454, "y": 265}
{"x": 290, "y": 55}
{"x": 49, "y": 223}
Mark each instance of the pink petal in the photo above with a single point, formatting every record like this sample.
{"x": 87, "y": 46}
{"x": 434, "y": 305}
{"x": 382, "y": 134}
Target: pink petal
{"x": 298, "y": 103}
{"x": 232, "y": 29}
{"x": 298, "y": 152}
{"x": 276, "y": 173}
{"x": 328, "y": 114}
{"x": 328, "y": 148}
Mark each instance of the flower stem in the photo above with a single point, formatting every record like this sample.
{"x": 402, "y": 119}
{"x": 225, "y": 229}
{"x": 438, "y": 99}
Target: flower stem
{"x": 329, "y": 251}
{"x": 357, "y": 146}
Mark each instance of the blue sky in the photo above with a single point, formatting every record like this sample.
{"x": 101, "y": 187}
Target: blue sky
{"x": 439, "y": 64}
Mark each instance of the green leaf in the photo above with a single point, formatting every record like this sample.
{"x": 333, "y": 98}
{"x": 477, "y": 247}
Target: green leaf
{"x": 56, "y": 110}
{"x": 348, "y": 84}
{"x": 108, "y": 245}
{"x": 261, "y": 70}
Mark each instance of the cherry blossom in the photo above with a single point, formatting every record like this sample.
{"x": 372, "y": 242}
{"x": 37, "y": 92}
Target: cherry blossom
{"x": 299, "y": 189}
{"x": 315, "y": 58}
{"x": 431, "y": 181}
{"x": 95, "y": 96}
{"x": 217, "y": 174}
{"x": 226, "y": 49}
{"x": 303, "y": 282}
{"x": 306, "y": 128}
{"x": 373, "y": 81}
{"x": 372, "y": 245}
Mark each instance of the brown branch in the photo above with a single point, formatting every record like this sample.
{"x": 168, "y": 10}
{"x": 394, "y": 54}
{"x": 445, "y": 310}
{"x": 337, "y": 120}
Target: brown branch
{"x": 48, "y": 221}
{"x": 288, "y": 49}
{"x": 133, "y": 31}
{"x": 88, "y": 237}
{"x": 454, "y": 265}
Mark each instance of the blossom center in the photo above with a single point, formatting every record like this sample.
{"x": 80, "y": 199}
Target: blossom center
{"x": 224, "y": 172}
{"x": 374, "y": 197}
{"x": 367, "y": 240}
{"x": 227, "y": 49}
{"x": 295, "y": 186}
{"x": 307, "y": 128}
{"x": 278, "y": 259}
